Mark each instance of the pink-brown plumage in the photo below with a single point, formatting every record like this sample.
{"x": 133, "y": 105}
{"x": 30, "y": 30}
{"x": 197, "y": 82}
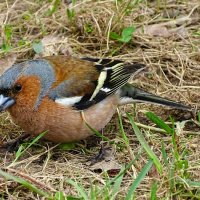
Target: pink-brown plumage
{"x": 62, "y": 123}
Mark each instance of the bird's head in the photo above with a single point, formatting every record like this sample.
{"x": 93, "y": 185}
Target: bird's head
{"x": 25, "y": 83}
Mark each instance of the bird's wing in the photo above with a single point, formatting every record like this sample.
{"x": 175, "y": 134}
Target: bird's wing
{"x": 84, "y": 82}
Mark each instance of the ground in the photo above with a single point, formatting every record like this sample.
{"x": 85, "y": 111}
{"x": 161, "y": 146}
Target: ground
{"x": 164, "y": 35}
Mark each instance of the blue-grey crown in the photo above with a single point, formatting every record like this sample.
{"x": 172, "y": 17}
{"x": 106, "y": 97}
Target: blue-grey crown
{"x": 40, "y": 68}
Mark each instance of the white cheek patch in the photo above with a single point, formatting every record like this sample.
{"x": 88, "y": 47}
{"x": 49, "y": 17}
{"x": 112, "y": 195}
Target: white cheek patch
{"x": 68, "y": 101}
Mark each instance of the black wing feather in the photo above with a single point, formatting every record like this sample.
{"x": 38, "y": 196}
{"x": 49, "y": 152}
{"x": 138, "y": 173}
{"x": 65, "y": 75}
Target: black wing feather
{"x": 113, "y": 75}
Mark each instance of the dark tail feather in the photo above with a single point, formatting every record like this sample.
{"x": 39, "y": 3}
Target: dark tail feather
{"x": 130, "y": 94}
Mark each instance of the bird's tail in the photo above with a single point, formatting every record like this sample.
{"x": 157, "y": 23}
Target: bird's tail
{"x": 131, "y": 94}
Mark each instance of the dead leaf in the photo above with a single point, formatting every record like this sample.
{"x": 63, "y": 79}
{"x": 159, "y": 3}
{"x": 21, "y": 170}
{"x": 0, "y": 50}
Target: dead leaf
{"x": 180, "y": 32}
{"x": 7, "y": 62}
{"x": 171, "y": 13}
{"x": 157, "y": 30}
{"x": 50, "y": 45}
{"x": 66, "y": 50}
{"x": 54, "y": 45}
{"x": 109, "y": 162}
{"x": 178, "y": 22}
{"x": 106, "y": 165}
{"x": 180, "y": 126}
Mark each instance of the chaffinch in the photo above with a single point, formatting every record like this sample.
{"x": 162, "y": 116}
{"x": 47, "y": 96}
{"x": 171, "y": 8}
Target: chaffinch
{"x": 58, "y": 94}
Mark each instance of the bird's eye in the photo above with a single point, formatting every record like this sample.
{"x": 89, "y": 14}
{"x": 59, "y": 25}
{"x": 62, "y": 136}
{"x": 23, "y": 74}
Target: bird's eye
{"x": 18, "y": 87}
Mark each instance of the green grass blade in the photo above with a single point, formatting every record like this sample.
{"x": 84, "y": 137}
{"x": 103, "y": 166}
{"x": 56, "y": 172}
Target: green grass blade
{"x": 93, "y": 193}
{"x": 198, "y": 116}
{"x": 193, "y": 183}
{"x": 145, "y": 145}
{"x": 25, "y": 183}
{"x": 19, "y": 152}
{"x": 59, "y": 196}
{"x": 126, "y": 168}
{"x": 53, "y": 8}
{"x": 22, "y": 150}
{"x": 67, "y": 146}
{"x": 189, "y": 183}
{"x": 117, "y": 184}
{"x": 153, "y": 191}
{"x": 35, "y": 140}
{"x": 159, "y": 122}
{"x": 97, "y": 133}
{"x": 138, "y": 180}
{"x": 122, "y": 128}
{"x": 72, "y": 198}
{"x": 164, "y": 154}
{"x": 175, "y": 147}
{"x": 79, "y": 188}
{"x": 171, "y": 178}
{"x": 122, "y": 172}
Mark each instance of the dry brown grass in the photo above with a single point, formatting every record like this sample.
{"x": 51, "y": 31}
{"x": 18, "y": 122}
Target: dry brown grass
{"x": 174, "y": 72}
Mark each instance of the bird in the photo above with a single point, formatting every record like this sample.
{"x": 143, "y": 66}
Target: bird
{"x": 62, "y": 94}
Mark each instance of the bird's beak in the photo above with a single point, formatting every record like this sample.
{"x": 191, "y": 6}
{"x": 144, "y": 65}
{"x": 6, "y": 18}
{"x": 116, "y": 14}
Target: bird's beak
{"x": 5, "y": 102}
